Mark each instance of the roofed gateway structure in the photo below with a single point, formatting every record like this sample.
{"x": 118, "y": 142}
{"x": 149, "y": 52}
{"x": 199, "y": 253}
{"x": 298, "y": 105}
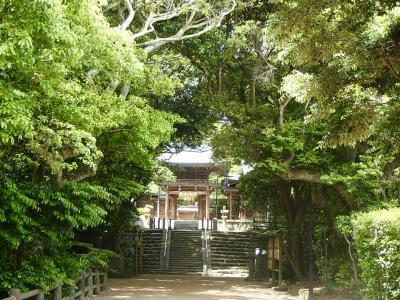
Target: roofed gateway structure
{"x": 186, "y": 203}
{"x": 192, "y": 185}
{"x": 185, "y": 236}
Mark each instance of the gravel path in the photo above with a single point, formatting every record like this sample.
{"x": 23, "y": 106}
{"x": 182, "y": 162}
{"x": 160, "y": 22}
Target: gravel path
{"x": 166, "y": 287}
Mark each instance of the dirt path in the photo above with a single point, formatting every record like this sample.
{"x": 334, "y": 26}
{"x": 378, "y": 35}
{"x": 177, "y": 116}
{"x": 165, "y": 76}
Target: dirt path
{"x": 166, "y": 287}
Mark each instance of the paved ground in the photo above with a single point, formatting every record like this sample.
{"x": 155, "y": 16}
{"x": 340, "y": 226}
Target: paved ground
{"x": 168, "y": 287}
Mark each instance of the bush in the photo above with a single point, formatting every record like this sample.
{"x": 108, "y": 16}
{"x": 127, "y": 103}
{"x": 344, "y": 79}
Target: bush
{"x": 335, "y": 273}
{"x": 377, "y": 242}
{"x": 45, "y": 272}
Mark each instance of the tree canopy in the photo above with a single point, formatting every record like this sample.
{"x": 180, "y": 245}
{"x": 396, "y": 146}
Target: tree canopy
{"x": 91, "y": 92}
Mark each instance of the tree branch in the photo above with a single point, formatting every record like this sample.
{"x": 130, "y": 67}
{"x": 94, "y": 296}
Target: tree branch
{"x": 130, "y": 16}
{"x": 391, "y": 68}
{"x": 112, "y": 5}
{"x": 200, "y": 18}
{"x": 125, "y": 91}
{"x": 314, "y": 177}
{"x": 83, "y": 175}
{"x": 191, "y": 24}
{"x": 302, "y": 175}
{"x": 90, "y": 75}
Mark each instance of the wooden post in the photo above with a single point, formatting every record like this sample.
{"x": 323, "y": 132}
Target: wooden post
{"x": 97, "y": 282}
{"x": 158, "y": 204}
{"x": 82, "y": 287}
{"x": 280, "y": 260}
{"x": 105, "y": 281}
{"x": 273, "y": 260}
{"x": 173, "y": 207}
{"x": 207, "y": 216}
{"x": 90, "y": 283}
{"x": 215, "y": 224}
{"x": 166, "y": 206}
{"x": 16, "y": 293}
{"x": 40, "y": 296}
{"x": 57, "y": 293}
{"x": 200, "y": 207}
{"x": 136, "y": 253}
{"x": 72, "y": 292}
{"x": 230, "y": 205}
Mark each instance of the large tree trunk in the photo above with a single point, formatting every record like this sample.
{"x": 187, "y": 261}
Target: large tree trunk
{"x": 294, "y": 206}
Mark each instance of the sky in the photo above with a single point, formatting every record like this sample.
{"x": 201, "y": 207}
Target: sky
{"x": 189, "y": 156}
{"x": 203, "y": 155}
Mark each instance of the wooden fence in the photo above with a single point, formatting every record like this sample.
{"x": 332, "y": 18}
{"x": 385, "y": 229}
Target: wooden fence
{"x": 160, "y": 223}
{"x": 87, "y": 285}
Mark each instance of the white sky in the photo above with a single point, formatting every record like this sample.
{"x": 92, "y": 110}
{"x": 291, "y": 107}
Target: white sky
{"x": 189, "y": 156}
{"x": 202, "y": 155}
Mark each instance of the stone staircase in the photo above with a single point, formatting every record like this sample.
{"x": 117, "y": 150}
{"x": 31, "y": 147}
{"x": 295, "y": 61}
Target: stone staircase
{"x": 152, "y": 247}
{"x": 185, "y": 253}
{"x": 229, "y": 252}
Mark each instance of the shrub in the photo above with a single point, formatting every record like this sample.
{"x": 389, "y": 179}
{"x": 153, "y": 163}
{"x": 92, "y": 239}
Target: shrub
{"x": 377, "y": 242}
{"x": 335, "y": 273}
{"x": 45, "y": 272}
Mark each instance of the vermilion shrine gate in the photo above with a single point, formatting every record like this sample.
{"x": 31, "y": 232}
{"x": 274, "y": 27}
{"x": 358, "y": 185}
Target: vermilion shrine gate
{"x": 192, "y": 180}
{"x": 192, "y": 183}
{"x": 188, "y": 235}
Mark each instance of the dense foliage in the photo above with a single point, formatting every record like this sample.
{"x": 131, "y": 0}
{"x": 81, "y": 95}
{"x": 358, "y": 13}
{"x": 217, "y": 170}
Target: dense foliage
{"x": 375, "y": 238}
{"x": 305, "y": 92}
{"x": 74, "y": 141}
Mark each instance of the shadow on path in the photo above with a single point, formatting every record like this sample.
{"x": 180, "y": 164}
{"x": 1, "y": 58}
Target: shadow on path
{"x": 189, "y": 287}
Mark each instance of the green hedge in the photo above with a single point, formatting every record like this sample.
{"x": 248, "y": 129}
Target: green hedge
{"x": 377, "y": 242}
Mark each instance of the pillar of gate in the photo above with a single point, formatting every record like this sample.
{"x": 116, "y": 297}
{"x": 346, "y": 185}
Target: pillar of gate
{"x": 201, "y": 207}
{"x": 174, "y": 206}
{"x": 207, "y": 204}
{"x": 166, "y": 207}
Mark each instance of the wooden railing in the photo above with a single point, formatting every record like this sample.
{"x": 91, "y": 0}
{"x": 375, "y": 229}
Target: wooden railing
{"x": 160, "y": 223}
{"x": 87, "y": 285}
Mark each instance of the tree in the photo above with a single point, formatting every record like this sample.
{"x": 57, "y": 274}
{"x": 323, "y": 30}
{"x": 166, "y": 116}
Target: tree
{"x": 147, "y": 20}
{"x": 276, "y": 105}
{"x": 74, "y": 141}
{"x": 353, "y": 65}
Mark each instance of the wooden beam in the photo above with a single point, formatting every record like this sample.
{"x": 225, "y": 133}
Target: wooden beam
{"x": 207, "y": 205}
{"x": 197, "y": 192}
{"x": 230, "y": 206}
{"x": 166, "y": 206}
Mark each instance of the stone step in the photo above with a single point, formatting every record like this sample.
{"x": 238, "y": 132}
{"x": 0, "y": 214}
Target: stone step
{"x": 230, "y": 263}
{"x": 228, "y": 254}
{"x": 227, "y": 260}
{"x": 230, "y": 250}
{"x": 177, "y": 261}
{"x": 185, "y": 263}
{"x": 185, "y": 255}
{"x": 151, "y": 251}
{"x": 231, "y": 244}
{"x": 235, "y": 250}
{"x": 232, "y": 258}
{"x": 232, "y": 240}
{"x": 185, "y": 252}
{"x": 187, "y": 267}
{"x": 185, "y": 272}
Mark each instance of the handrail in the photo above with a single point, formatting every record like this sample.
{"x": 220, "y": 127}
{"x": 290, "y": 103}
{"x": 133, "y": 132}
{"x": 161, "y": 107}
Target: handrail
{"x": 30, "y": 294}
{"x": 96, "y": 283}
